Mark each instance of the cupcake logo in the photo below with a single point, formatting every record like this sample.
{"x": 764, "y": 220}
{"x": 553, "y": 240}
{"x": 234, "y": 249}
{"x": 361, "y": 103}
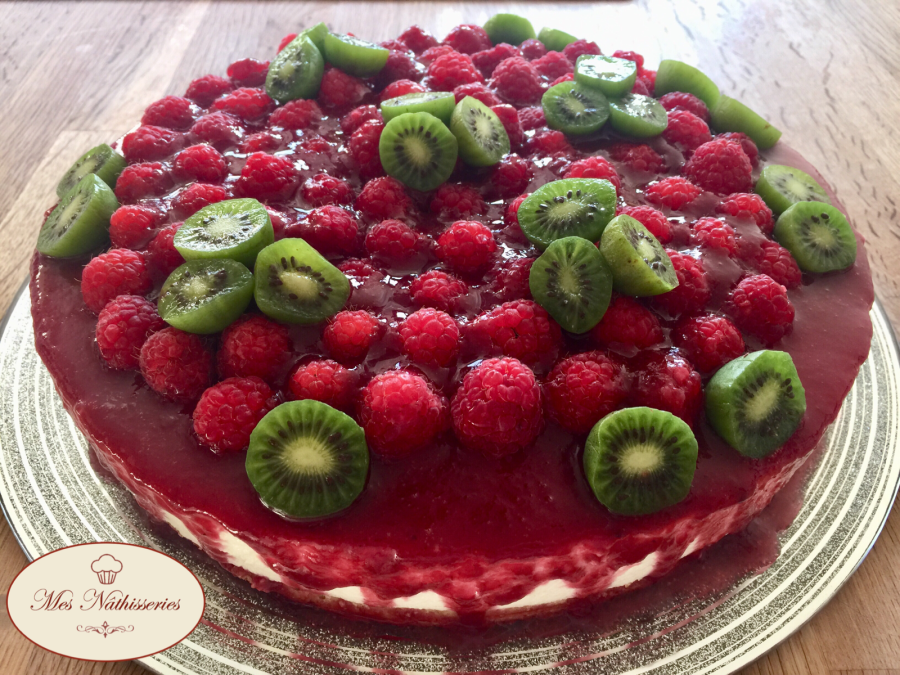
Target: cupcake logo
{"x": 106, "y": 568}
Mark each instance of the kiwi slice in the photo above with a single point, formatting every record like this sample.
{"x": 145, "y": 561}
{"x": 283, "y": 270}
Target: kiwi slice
{"x": 355, "y": 56}
{"x": 418, "y": 150}
{"x": 480, "y": 133}
{"x": 613, "y": 76}
{"x": 731, "y": 115}
{"x": 818, "y": 236}
{"x": 678, "y": 76}
{"x": 579, "y": 207}
{"x": 80, "y": 222}
{"x": 782, "y": 186}
{"x": 307, "y": 460}
{"x": 509, "y": 28}
{"x": 317, "y": 34}
{"x": 295, "y": 284}
{"x": 573, "y": 282}
{"x": 637, "y": 115}
{"x": 574, "y": 108}
{"x": 205, "y": 296}
{"x": 640, "y": 265}
{"x": 640, "y": 460}
{"x": 236, "y": 229}
{"x": 296, "y": 72}
{"x": 102, "y": 161}
{"x": 756, "y": 402}
{"x": 437, "y": 103}
{"x": 555, "y": 40}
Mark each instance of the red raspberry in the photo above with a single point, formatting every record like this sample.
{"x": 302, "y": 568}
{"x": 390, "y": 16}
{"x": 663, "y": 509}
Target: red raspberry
{"x": 300, "y": 114}
{"x": 197, "y": 196}
{"x": 692, "y": 292}
{"x": 748, "y": 206}
{"x": 720, "y": 166}
{"x": 686, "y": 131}
{"x": 358, "y": 116}
{"x": 248, "y": 72}
{"x": 548, "y": 143}
{"x": 648, "y": 77}
{"x": 575, "y": 49}
{"x": 655, "y": 221}
{"x": 553, "y": 65}
{"x": 395, "y": 46}
{"x": 521, "y": 329}
{"x": 489, "y": 59}
{"x": 477, "y": 91}
{"x": 511, "y": 280}
{"x": 114, "y": 273}
{"x": 358, "y": 268}
{"x": 204, "y": 90}
{"x": 162, "y": 256}
{"x": 218, "y": 128}
{"x": 267, "y": 177}
{"x": 631, "y": 56}
{"x": 146, "y": 144}
{"x": 438, "y": 289}
{"x": 449, "y": 71}
{"x": 760, "y": 307}
{"x": 430, "y": 337}
{"x": 533, "y": 49}
{"x": 286, "y": 40}
{"x": 777, "y": 262}
{"x": 583, "y": 389}
{"x": 201, "y": 163}
{"x": 511, "y": 217}
{"x": 246, "y": 103}
{"x": 468, "y": 39}
{"x": 322, "y": 190}
{"x": 280, "y": 222}
{"x": 263, "y": 141}
{"x": 674, "y": 193}
{"x": 326, "y": 381}
{"x": 666, "y": 381}
{"x": 229, "y": 411}
{"x": 509, "y": 177}
{"x": 457, "y": 201}
{"x": 383, "y": 198}
{"x": 679, "y": 100}
{"x": 314, "y": 144}
{"x": 510, "y": 120}
{"x": 124, "y": 324}
{"x": 431, "y": 54}
{"x": 331, "y": 229}
{"x": 363, "y": 148}
{"x": 133, "y": 226}
{"x": 393, "y": 241}
{"x": 638, "y": 157}
{"x": 568, "y": 77}
{"x": 340, "y": 90}
{"x": 401, "y": 413}
{"x": 418, "y": 39}
{"x": 254, "y": 346}
{"x": 497, "y": 409}
{"x": 466, "y": 246}
{"x": 627, "y": 323}
{"x": 709, "y": 341}
{"x": 400, "y": 88}
{"x": 640, "y": 87}
{"x": 532, "y": 118}
{"x": 400, "y": 66}
{"x": 747, "y": 144}
{"x": 594, "y": 167}
{"x": 517, "y": 81}
{"x": 349, "y": 335}
{"x": 171, "y": 112}
{"x": 176, "y": 365}
{"x": 712, "y": 233}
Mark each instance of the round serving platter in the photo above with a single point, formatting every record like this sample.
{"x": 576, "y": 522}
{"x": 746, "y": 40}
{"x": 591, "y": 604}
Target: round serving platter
{"x": 52, "y": 497}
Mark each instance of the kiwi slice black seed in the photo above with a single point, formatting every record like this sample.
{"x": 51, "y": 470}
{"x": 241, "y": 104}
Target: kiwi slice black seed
{"x": 480, "y": 133}
{"x": 818, "y": 236}
{"x": 640, "y": 265}
{"x": 355, "y": 56}
{"x": 102, "y": 161}
{"x": 307, "y": 460}
{"x": 573, "y": 282}
{"x": 205, "y": 296}
{"x": 678, "y": 76}
{"x": 317, "y": 34}
{"x": 555, "y": 40}
{"x": 731, "y": 115}
{"x": 575, "y": 109}
{"x": 613, "y": 76}
{"x": 80, "y": 222}
{"x": 579, "y": 207}
{"x": 296, "y": 72}
{"x": 782, "y": 186}
{"x": 640, "y": 460}
{"x": 295, "y": 284}
{"x": 637, "y": 115}
{"x": 418, "y": 150}
{"x": 437, "y": 103}
{"x": 756, "y": 402}
{"x": 236, "y": 229}
{"x": 509, "y": 28}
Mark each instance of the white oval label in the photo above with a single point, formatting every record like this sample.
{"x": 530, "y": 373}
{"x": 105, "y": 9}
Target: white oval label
{"x": 105, "y": 602}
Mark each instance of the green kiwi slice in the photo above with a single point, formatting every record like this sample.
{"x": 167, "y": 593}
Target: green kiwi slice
{"x": 783, "y": 186}
{"x": 555, "y": 40}
{"x": 236, "y": 229}
{"x": 637, "y": 115}
{"x": 573, "y": 282}
{"x": 579, "y": 207}
{"x": 307, "y": 460}
{"x": 354, "y": 56}
{"x": 296, "y": 72}
{"x": 480, "y": 133}
{"x": 575, "y": 109}
{"x": 80, "y": 222}
{"x": 295, "y": 284}
{"x": 102, "y": 161}
{"x": 640, "y": 265}
{"x": 678, "y": 76}
{"x": 756, "y": 402}
{"x": 317, "y": 34}
{"x": 613, "y": 76}
{"x": 640, "y": 460}
{"x": 818, "y": 236}
{"x": 437, "y": 103}
{"x": 418, "y": 150}
{"x": 731, "y": 115}
{"x": 509, "y": 28}
{"x": 205, "y": 296}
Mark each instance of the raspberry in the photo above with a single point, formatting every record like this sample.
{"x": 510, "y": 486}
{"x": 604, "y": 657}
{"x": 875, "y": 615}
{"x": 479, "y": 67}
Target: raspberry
{"x": 521, "y": 329}
{"x": 720, "y": 166}
{"x": 286, "y": 40}
{"x": 401, "y": 413}
{"x": 477, "y": 91}
{"x": 628, "y": 323}
{"x": 553, "y": 65}
{"x": 594, "y": 167}
{"x": 314, "y": 144}
{"x": 383, "y": 198}
{"x": 254, "y": 346}
{"x": 517, "y": 81}
{"x": 748, "y": 206}
{"x": 457, "y": 201}
{"x": 640, "y": 87}
{"x": 511, "y": 217}
{"x": 777, "y": 262}
{"x": 532, "y": 118}
{"x": 712, "y": 233}
{"x": 267, "y": 177}
{"x": 568, "y": 77}
{"x": 509, "y": 177}
{"x": 326, "y": 381}
{"x": 631, "y": 56}
{"x": 760, "y": 307}
{"x": 146, "y": 144}
{"x": 510, "y": 120}
{"x": 449, "y": 71}
{"x": 195, "y": 197}
{"x": 497, "y": 409}
{"x": 548, "y": 143}
{"x": 431, "y": 54}
{"x": 584, "y": 388}
{"x": 279, "y": 221}
{"x": 533, "y": 49}
{"x": 340, "y": 90}
{"x": 263, "y": 141}
{"x": 674, "y": 193}
{"x": 116, "y": 272}
{"x": 395, "y": 45}
{"x": 430, "y": 337}
{"x": 511, "y": 280}
{"x": 466, "y": 246}
{"x": 358, "y": 268}
{"x": 363, "y": 148}
{"x": 162, "y": 256}
{"x": 468, "y": 39}
{"x": 686, "y": 131}
{"x": 322, "y": 190}
{"x": 246, "y": 104}
{"x": 132, "y": 226}
{"x": 692, "y": 292}
{"x": 229, "y": 411}
{"x": 176, "y": 365}
{"x": 201, "y": 163}
{"x": 349, "y": 335}
{"x": 575, "y": 49}
{"x": 331, "y": 229}
{"x": 392, "y": 241}
{"x": 648, "y": 77}
{"x": 218, "y": 128}
{"x": 748, "y": 146}
{"x": 438, "y": 289}
{"x": 248, "y": 72}
{"x": 358, "y": 116}
{"x": 709, "y": 341}
{"x": 418, "y": 39}
{"x": 400, "y": 67}
{"x": 653, "y": 220}
{"x": 400, "y": 88}
{"x": 123, "y": 326}
{"x": 300, "y": 114}
{"x": 204, "y": 90}
{"x": 638, "y": 157}
{"x": 679, "y": 100}
{"x": 666, "y": 381}
{"x": 171, "y": 112}
{"x": 489, "y": 59}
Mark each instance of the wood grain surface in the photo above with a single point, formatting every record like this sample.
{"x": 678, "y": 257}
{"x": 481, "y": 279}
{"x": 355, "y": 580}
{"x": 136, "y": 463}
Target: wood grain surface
{"x": 827, "y": 72}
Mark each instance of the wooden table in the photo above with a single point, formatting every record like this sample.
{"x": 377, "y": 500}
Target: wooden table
{"x": 826, "y": 73}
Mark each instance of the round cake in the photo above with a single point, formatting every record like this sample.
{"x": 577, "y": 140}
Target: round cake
{"x": 462, "y": 331}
